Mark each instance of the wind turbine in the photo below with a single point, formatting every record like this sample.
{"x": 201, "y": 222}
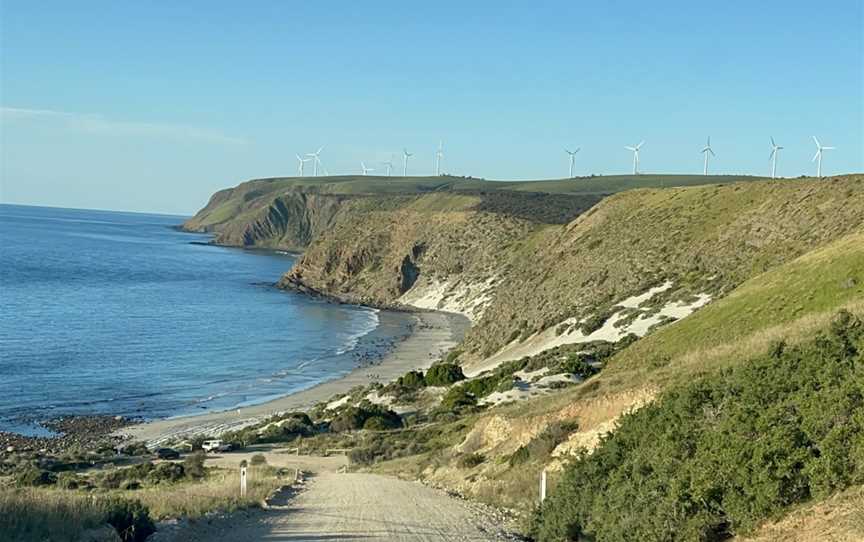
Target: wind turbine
{"x": 706, "y": 151}
{"x": 572, "y": 158}
{"x": 775, "y": 150}
{"x": 818, "y": 156}
{"x": 439, "y": 154}
{"x": 301, "y": 163}
{"x": 389, "y": 165}
{"x": 405, "y": 155}
{"x": 316, "y": 160}
{"x": 635, "y": 156}
{"x": 366, "y": 170}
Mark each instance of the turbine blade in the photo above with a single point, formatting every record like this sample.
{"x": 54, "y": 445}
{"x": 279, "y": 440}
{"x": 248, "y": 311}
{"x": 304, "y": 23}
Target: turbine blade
{"x": 817, "y": 141}
{"x": 772, "y": 142}
{"x": 828, "y": 148}
{"x": 711, "y": 151}
{"x": 815, "y": 156}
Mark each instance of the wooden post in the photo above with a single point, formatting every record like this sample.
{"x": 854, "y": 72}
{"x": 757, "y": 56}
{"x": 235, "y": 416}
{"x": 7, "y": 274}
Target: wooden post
{"x": 543, "y": 486}
{"x": 242, "y": 481}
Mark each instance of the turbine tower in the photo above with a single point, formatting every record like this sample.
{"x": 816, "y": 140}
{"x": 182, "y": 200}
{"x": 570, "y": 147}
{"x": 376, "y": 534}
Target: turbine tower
{"x": 439, "y": 154}
{"x": 405, "y": 156}
{"x": 706, "y": 151}
{"x": 366, "y": 170}
{"x": 316, "y": 160}
{"x": 389, "y": 165}
{"x": 635, "y": 156}
{"x": 301, "y": 163}
{"x": 572, "y": 159}
{"x": 775, "y": 150}
{"x": 818, "y": 156}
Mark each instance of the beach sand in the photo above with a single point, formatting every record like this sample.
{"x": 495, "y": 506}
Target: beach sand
{"x": 434, "y": 334}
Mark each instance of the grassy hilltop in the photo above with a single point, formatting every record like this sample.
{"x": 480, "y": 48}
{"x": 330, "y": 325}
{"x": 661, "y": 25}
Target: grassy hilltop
{"x": 730, "y": 306}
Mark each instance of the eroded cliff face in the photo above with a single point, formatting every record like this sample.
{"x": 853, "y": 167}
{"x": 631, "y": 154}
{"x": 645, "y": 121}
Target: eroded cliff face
{"x": 287, "y": 221}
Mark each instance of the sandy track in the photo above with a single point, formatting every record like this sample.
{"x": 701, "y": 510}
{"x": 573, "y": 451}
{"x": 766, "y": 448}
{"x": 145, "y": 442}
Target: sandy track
{"x": 354, "y": 506}
{"x": 344, "y": 506}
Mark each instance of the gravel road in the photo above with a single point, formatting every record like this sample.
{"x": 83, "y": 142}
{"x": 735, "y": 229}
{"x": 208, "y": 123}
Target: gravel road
{"x": 353, "y": 506}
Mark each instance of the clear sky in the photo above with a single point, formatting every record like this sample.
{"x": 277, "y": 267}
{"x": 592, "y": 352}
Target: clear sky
{"x": 152, "y": 106}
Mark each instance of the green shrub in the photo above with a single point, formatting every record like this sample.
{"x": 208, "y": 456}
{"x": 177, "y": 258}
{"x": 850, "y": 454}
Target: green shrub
{"x": 258, "y": 459}
{"x": 410, "y": 381}
{"x": 68, "y": 480}
{"x": 380, "y": 423}
{"x": 577, "y": 365}
{"x": 130, "y": 485}
{"x": 166, "y": 472}
{"x": 714, "y": 457}
{"x": 520, "y": 456}
{"x": 130, "y": 519}
{"x": 469, "y": 461}
{"x": 193, "y": 465}
{"x": 30, "y": 475}
{"x": 352, "y": 418}
{"x": 458, "y": 398}
{"x": 444, "y": 374}
{"x": 452, "y": 356}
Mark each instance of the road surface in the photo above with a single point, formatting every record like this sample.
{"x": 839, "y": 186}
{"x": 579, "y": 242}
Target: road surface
{"x": 351, "y": 507}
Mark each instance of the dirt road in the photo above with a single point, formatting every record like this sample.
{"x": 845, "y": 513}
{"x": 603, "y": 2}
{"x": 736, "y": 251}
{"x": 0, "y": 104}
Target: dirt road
{"x": 352, "y": 506}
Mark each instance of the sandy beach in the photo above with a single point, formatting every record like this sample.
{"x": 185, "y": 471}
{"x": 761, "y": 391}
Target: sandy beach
{"x": 434, "y": 334}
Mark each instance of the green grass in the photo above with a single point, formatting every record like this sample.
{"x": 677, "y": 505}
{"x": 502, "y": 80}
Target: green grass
{"x": 264, "y": 190}
{"x": 787, "y": 302}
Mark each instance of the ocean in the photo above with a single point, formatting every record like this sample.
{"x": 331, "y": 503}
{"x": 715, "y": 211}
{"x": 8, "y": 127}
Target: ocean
{"x": 118, "y": 313}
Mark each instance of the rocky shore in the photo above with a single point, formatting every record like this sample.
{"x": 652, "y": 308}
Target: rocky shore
{"x": 82, "y": 432}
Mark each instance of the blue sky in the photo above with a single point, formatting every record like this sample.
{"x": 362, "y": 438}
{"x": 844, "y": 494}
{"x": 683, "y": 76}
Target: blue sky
{"x": 152, "y": 106}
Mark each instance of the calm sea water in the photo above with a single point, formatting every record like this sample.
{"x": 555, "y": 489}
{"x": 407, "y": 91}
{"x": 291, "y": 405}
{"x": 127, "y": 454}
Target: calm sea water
{"x": 117, "y": 313}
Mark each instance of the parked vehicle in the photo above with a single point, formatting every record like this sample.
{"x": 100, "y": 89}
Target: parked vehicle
{"x": 215, "y": 446}
{"x": 167, "y": 453}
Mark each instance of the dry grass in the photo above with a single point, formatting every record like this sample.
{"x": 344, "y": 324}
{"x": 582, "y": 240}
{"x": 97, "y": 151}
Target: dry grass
{"x": 58, "y": 514}
{"x": 837, "y": 519}
{"x": 41, "y": 514}
{"x": 219, "y": 491}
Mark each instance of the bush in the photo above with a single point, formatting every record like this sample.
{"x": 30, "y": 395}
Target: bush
{"x": 576, "y": 364}
{"x": 521, "y": 455}
{"x": 352, "y": 418}
{"x": 258, "y": 459}
{"x": 130, "y": 485}
{"x": 130, "y": 519}
{"x": 166, "y": 472}
{"x": 714, "y": 457}
{"x": 411, "y": 381}
{"x": 458, "y": 398}
{"x": 31, "y": 475}
{"x": 469, "y": 461}
{"x": 68, "y": 480}
{"x": 444, "y": 374}
{"x": 193, "y": 465}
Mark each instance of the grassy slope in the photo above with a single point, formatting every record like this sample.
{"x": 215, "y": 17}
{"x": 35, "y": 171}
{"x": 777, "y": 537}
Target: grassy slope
{"x": 230, "y": 203}
{"x": 638, "y": 239}
{"x": 790, "y": 302}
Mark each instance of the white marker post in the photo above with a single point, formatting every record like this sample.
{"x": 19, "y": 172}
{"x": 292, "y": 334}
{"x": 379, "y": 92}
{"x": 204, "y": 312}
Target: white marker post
{"x": 242, "y": 481}
{"x": 543, "y": 486}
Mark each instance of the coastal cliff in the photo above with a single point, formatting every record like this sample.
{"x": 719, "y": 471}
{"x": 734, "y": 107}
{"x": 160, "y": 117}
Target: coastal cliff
{"x": 533, "y": 269}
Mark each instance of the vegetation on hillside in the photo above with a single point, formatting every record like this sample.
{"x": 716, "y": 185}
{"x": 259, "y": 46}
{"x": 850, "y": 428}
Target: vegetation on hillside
{"x": 714, "y": 457}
